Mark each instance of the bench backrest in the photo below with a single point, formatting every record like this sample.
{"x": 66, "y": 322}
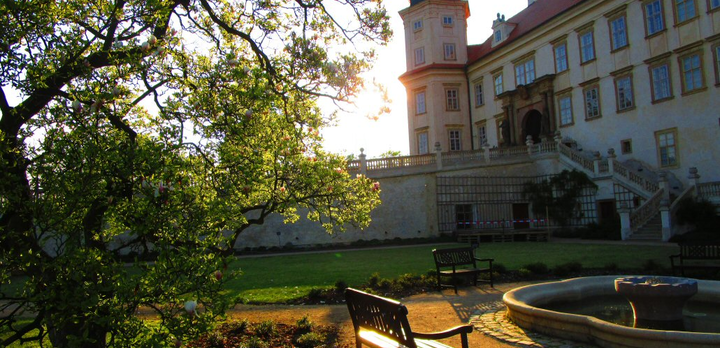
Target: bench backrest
{"x": 454, "y": 257}
{"x": 700, "y": 251}
{"x": 379, "y": 314}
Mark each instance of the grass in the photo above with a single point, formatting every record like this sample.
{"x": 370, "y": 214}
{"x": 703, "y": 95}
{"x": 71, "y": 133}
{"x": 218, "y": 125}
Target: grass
{"x": 280, "y": 278}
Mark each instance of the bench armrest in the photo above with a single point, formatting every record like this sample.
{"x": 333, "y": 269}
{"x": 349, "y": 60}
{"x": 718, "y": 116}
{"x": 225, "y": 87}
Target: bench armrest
{"x": 462, "y": 330}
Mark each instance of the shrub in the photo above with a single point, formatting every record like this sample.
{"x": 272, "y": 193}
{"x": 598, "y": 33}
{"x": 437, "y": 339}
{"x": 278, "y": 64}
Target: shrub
{"x": 651, "y": 266}
{"x": 611, "y": 267}
{"x": 568, "y": 268}
{"x": 266, "y": 329}
{"x": 340, "y": 286}
{"x": 384, "y": 284}
{"x": 537, "y": 268}
{"x": 698, "y": 212}
{"x": 374, "y": 280}
{"x": 304, "y": 324}
{"x": 256, "y": 342}
{"x": 310, "y": 340}
{"x": 315, "y": 293}
{"x": 524, "y": 273}
{"x": 499, "y": 268}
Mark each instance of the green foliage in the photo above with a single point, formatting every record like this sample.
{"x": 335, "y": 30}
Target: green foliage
{"x": 266, "y": 329}
{"x": 499, "y": 268}
{"x": 608, "y": 229}
{"x": 310, "y": 340}
{"x": 340, "y": 286}
{"x": 164, "y": 129}
{"x": 304, "y": 324}
{"x": 566, "y": 269}
{"x": 559, "y": 195}
{"x": 390, "y": 154}
{"x": 537, "y": 268}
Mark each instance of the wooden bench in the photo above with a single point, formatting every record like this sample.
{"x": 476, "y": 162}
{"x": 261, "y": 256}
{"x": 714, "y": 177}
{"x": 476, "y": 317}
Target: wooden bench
{"x": 459, "y": 263}
{"x": 701, "y": 255}
{"x": 382, "y": 323}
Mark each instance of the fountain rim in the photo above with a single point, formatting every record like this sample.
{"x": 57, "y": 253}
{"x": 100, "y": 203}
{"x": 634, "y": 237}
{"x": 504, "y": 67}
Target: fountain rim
{"x": 521, "y": 303}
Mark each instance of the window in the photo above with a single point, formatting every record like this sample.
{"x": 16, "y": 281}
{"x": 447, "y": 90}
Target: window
{"x": 482, "y": 135}
{"x": 592, "y": 102}
{"x": 654, "y": 21}
{"x": 452, "y": 102}
{"x": 684, "y": 10}
{"x": 623, "y": 88}
{"x": 667, "y": 147}
{"x": 420, "y": 103}
{"x": 691, "y": 72}
{"x": 479, "y": 94}
{"x": 419, "y": 56}
{"x": 714, "y": 4}
{"x": 660, "y": 78}
{"x": 448, "y": 21}
{"x": 587, "y": 47}
{"x": 454, "y": 136}
{"x": 561, "y": 62}
{"x": 417, "y": 25}
{"x": 498, "y": 35}
{"x": 449, "y": 49}
{"x": 464, "y": 216}
{"x": 626, "y": 146}
{"x": 618, "y": 33}
{"x": 525, "y": 72}
{"x": 565, "y": 104}
{"x": 498, "y": 83}
{"x": 422, "y": 139}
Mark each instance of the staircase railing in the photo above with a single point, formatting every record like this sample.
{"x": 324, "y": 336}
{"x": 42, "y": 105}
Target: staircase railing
{"x": 576, "y": 157}
{"x": 640, "y": 216}
{"x": 709, "y": 189}
{"x": 634, "y": 178}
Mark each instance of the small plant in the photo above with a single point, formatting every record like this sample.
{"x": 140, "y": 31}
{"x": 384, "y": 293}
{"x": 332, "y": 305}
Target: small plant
{"x": 315, "y": 293}
{"x": 384, "y": 284}
{"x": 568, "y": 268}
{"x": 499, "y": 268}
{"x": 266, "y": 329}
{"x": 310, "y": 340}
{"x": 537, "y": 268}
{"x": 304, "y": 324}
{"x": 374, "y": 280}
{"x": 340, "y": 286}
{"x": 524, "y": 273}
{"x": 256, "y": 342}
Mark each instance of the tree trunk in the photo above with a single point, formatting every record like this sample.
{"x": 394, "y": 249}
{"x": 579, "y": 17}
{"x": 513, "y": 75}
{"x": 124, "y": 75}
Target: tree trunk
{"x": 83, "y": 334}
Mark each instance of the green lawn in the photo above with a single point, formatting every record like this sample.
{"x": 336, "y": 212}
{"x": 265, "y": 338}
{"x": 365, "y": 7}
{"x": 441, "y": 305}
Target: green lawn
{"x": 283, "y": 277}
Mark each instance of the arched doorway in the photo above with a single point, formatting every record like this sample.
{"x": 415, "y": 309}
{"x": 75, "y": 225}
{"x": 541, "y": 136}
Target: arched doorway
{"x": 532, "y": 126}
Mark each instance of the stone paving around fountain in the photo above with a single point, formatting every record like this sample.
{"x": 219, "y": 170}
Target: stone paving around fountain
{"x": 491, "y": 319}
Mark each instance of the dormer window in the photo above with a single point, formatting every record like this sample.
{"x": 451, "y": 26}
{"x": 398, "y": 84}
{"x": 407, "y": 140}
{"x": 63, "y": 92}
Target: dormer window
{"x": 448, "y": 21}
{"x": 417, "y": 25}
{"x": 498, "y": 36}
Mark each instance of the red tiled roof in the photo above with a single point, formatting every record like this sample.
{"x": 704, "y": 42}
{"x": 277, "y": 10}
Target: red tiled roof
{"x": 432, "y": 66}
{"x": 526, "y": 20}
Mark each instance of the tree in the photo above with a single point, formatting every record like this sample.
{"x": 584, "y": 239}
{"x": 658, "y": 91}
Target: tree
{"x": 164, "y": 129}
{"x": 390, "y": 154}
{"x": 558, "y": 195}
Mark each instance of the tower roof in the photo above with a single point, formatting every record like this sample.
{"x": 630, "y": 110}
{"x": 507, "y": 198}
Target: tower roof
{"x": 525, "y": 21}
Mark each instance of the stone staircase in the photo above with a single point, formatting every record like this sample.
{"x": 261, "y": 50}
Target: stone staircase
{"x": 651, "y": 231}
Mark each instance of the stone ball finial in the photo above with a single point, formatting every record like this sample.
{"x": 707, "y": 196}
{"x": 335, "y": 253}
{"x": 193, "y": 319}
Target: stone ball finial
{"x": 362, "y": 150}
{"x": 693, "y": 173}
{"x": 611, "y": 152}
{"x": 597, "y": 155}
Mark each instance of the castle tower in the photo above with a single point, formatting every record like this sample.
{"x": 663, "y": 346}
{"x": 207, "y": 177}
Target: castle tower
{"x": 435, "y": 79}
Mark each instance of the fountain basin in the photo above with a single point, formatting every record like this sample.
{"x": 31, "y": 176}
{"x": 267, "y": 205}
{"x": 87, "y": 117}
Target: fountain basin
{"x": 657, "y": 302}
{"x": 522, "y": 305}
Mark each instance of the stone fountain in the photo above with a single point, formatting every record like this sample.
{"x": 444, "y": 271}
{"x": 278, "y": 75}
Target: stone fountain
{"x": 657, "y": 302}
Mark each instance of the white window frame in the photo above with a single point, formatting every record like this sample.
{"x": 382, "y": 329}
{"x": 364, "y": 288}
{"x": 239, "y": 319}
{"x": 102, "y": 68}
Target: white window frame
{"x": 482, "y": 134}
{"x": 420, "y": 56}
{"x": 713, "y": 4}
{"x": 624, "y": 93}
{"x": 525, "y": 72}
{"x": 591, "y": 98}
{"x": 448, "y": 21}
{"x": 654, "y": 18}
{"x": 479, "y": 100}
{"x": 587, "y": 48}
{"x": 422, "y": 139}
{"x": 660, "y": 82}
{"x": 561, "y": 60}
{"x": 565, "y": 110}
{"x": 455, "y": 139}
{"x": 691, "y": 72}
{"x": 420, "y": 103}
{"x": 666, "y": 141}
{"x": 452, "y": 99}
{"x": 498, "y": 84}
{"x": 685, "y": 10}
{"x": 619, "y": 33}
{"x": 417, "y": 25}
{"x": 449, "y": 51}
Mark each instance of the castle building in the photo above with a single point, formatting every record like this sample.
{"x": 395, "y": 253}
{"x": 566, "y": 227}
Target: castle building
{"x": 640, "y": 77}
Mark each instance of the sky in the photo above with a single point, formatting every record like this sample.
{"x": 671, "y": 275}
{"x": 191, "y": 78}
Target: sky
{"x": 389, "y": 132}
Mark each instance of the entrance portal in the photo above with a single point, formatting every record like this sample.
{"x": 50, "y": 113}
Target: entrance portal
{"x": 532, "y": 125}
